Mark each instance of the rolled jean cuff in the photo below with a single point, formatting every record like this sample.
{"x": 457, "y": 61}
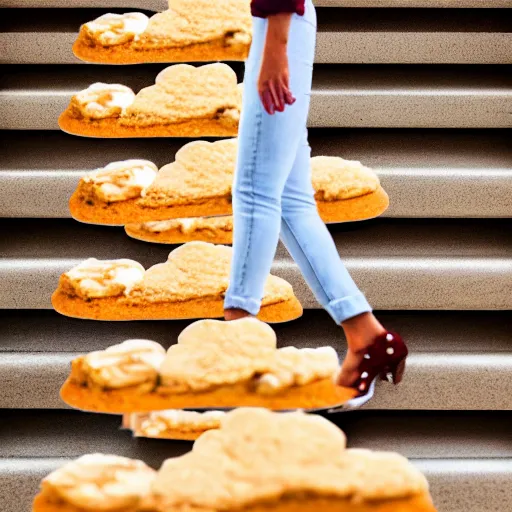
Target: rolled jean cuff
{"x": 252, "y": 306}
{"x": 348, "y": 307}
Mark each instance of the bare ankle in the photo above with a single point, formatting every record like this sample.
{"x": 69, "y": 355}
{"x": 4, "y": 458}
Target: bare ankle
{"x": 235, "y": 314}
{"x": 361, "y": 330}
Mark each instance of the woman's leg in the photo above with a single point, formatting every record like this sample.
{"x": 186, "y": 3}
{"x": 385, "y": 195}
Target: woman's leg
{"x": 267, "y": 147}
{"x": 309, "y": 242}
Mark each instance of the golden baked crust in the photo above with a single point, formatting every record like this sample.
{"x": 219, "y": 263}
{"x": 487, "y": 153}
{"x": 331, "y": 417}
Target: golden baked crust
{"x": 214, "y": 364}
{"x": 185, "y": 101}
{"x": 190, "y": 30}
{"x": 288, "y": 504}
{"x": 190, "y": 284}
{"x": 317, "y": 395}
{"x": 262, "y": 461}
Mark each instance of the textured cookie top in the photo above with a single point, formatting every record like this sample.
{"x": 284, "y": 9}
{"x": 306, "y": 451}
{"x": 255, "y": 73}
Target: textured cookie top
{"x": 184, "y": 92}
{"x": 201, "y": 170}
{"x": 114, "y": 29}
{"x": 119, "y": 181}
{"x": 104, "y": 278}
{"x": 196, "y": 270}
{"x": 188, "y": 226}
{"x": 198, "y": 21}
{"x": 158, "y": 422}
{"x": 100, "y": 482}
{"x": 131, "y": 363}
{"x": 293, "y": 366}
{"x": 258, "y": 455}
{"x": 212, "y": 353}
{"x": 101, "y": 101}
{"x": 335, "y": 178}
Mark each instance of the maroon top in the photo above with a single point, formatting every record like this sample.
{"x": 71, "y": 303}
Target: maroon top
{"x": 264, "y": 8}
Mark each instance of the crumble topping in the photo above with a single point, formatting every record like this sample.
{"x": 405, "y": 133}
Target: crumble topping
{"x": 201, "y": 170}
{"x": 335, "y": 178}
{"x": 288, "y": 453}
{"x": 119, "y": 181}
{"x": 200, "y": 269}
{"x": 211, "y": 353}
{"x": 189, "y": 22}
{"x": 255, "y": 456}
{"x": 94, "y": 278}
{"x": 293, "y": 366}
{"x": 102, "y": 101}
{"x": 102, "y": 483}
{"x": 182, "y": 92}
{"x": 131, "y": 363}
{"x": 115, "y": 29}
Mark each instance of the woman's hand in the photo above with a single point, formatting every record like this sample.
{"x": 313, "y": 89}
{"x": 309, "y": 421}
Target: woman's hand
{"x": 273, "y": 83}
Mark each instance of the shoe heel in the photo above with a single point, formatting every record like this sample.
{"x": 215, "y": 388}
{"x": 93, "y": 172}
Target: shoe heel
{"x": 394, "y": 374}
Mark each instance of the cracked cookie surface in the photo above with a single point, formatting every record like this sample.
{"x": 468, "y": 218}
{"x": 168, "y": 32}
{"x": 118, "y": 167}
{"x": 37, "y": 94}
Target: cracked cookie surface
{"x": 188, "y": 31}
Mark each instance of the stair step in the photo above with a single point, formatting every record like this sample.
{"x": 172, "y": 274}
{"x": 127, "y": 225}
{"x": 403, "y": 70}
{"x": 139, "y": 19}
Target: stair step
{"x": 390, "y": 96}
{"x": 427, "y": 332}
{"x": 451, "y": 353}
{"x": 160, "y": 5}
{"x": 414, "y": 434}
{"x": 399, "y": 264}
{"x": 353, "y": 36}
{"x": 427, "y": 173}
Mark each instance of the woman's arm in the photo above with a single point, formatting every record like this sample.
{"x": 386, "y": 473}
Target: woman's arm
{"x": 273, "y": 83}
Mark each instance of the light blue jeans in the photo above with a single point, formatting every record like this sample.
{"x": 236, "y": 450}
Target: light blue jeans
{"x": 272, "y": 192}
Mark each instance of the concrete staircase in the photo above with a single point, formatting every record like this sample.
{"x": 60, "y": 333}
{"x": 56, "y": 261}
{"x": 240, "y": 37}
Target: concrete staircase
{"x": 421, "y": 92}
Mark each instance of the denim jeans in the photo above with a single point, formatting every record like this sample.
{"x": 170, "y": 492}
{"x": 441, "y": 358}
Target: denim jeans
{"x": 272, "y": 192}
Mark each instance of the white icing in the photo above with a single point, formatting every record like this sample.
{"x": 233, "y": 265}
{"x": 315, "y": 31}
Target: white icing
{"x": 113, "y": 29}
{"x": 103, "y": 278}
{"x": 99, "y": 98}
{"x": 123, "y": 180}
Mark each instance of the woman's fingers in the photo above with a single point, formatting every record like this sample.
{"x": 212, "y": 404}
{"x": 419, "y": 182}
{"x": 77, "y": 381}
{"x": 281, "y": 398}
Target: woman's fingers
{"x": 276, "y": 95}
{"x": 268, "y": 104}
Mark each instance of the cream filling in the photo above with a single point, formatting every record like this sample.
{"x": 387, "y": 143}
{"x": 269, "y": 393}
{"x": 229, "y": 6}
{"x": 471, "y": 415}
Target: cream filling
{"x": 115, "y": 29}
{"x": 189, "y": 225}
{"x": 105, "y": 278}
{"x": 131, "y": 363}
{"x": 183, "y": 421}
{"x": 102, "y": 483}
{"x": 100, "y": 100}
{"x": 119, "y": 181}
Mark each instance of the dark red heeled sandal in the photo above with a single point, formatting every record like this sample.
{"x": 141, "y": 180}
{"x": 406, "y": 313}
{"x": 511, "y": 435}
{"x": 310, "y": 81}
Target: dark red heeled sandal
{"x": 384, "y": 359}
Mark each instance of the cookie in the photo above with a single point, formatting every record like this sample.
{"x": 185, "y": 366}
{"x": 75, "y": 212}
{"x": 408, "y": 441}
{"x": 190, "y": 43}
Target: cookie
{"x": 172, "y": 423}
{"x": 257, "y": 461}
{"x": 189, "y": 31}
{"x": 215, "y": 364}
{"x": 217, "y": 230}
{"x": 199, "y": 183}
{"x": 186, "y": 101}
{"x": 190, "y": 284}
